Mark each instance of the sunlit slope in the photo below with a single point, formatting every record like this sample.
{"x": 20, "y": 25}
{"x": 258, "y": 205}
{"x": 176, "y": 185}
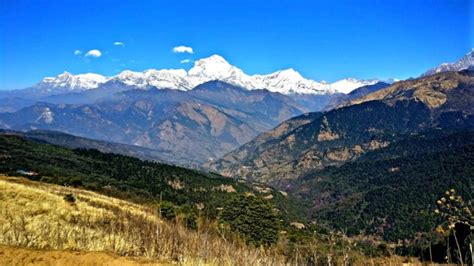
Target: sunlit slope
{"x": 44, "y": 216}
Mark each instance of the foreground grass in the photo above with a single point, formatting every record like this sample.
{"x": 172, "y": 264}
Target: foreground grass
{"x": 36, "y": 215}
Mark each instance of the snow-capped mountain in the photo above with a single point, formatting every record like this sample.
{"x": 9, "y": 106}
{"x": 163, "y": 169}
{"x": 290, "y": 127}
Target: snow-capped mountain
{"x": 214, "y": 67}
{"x": 165, "y": 78}
{"x": 349, "y": 84}
{"x": 284, "y": 81}
{"x": 69, "y": 82}
{"x": 466, "y": 62}
{"x": 289, "y": 81}
{"x": 217, "y": 68}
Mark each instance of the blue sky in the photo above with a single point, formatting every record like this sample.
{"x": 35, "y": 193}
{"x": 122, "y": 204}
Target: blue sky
{"x": 323, "y": 40}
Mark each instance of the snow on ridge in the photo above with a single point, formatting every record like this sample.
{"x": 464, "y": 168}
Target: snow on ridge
{"x": 466, "y": 62}
{"x": 215, "y": 67}
{"x": 72, "y": 82}
{"x": 349, "y": 84}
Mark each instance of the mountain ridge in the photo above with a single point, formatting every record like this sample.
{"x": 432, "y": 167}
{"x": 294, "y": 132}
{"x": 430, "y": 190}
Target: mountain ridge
{"x": 74, "y": 142}
{"x": 190, "y": 127}
{"x": 343, "y": 134}
{"x": 464, "y": 63}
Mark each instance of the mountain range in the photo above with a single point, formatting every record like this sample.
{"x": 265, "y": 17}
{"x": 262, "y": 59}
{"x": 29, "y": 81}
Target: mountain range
{"x": 188, "y": 117}
{"x": 365, "y": 119}
{"x": 67, "y": 88}
{"x": 185, "y": 126}
{"x": 215, "y": 67}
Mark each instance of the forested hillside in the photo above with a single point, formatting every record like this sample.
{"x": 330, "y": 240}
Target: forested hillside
{"x": 392, "y": 192}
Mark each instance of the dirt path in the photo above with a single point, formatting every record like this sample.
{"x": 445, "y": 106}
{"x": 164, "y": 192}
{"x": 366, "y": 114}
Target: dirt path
{"x": 24, "y": 256}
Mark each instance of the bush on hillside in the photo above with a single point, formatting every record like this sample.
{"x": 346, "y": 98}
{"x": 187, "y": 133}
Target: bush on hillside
{"x": 70, "y": 198}
{"x": 168, "y": 210}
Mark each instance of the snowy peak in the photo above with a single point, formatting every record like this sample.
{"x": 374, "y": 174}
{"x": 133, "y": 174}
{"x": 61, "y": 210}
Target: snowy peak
{"x": 67, "y": 81}
{"x": 166, "y": 72}
{"x": 215, "y": 67}
{"x": 349, "y": 84}
{"x": 131, "y": 78}
{"x": 289, "y": 81}
{"x": 466, "y": 62}
{"x": 165, "y": 78}
{"x": 288, "y": 74}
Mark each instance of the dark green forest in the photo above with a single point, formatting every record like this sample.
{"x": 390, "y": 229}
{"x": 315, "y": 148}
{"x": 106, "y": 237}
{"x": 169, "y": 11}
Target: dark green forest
{"x": 392, "y": 192}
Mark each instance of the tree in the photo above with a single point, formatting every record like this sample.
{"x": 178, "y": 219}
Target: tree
{"x": 252, "y": 218}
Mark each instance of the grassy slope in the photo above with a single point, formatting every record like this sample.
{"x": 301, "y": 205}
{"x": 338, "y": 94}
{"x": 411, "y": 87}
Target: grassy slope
{"x": 35, "y": 215}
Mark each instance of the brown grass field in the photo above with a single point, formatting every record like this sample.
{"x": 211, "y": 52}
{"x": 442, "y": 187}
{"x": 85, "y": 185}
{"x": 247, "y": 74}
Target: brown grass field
{"x": 35, "y": 215}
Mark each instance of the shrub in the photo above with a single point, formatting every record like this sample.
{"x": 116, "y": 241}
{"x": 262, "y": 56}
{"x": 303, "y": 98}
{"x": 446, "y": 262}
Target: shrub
{"x": 190, "y": 221}
{"x": 168, "y": 210}
{"x": 70, "y": 198}
{"x": 76, "y": 182}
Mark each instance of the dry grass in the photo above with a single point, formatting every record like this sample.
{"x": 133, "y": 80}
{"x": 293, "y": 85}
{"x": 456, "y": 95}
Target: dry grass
{"x": 35, "y": 215}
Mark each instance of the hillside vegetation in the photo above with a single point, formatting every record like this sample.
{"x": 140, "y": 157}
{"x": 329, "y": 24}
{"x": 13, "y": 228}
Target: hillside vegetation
{"x": 74, "y": 142}
{"x": 42, "y": 222}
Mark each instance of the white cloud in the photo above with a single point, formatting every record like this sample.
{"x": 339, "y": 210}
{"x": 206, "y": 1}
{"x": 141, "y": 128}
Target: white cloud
{"x": 93, "y": 53}
{"x": 183, "y": 49}
{"x": 185, "y": 61}
{"x": 77, "y": 52}
{"x": 121, "y": 44}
